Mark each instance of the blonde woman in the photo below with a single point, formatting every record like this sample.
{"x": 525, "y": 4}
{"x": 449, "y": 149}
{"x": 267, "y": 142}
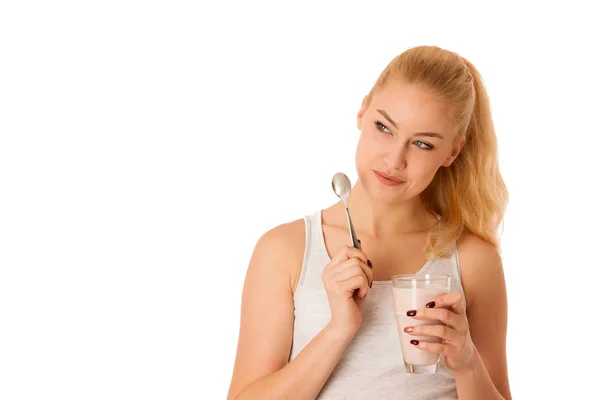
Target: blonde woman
{"x": 316, "y": 318}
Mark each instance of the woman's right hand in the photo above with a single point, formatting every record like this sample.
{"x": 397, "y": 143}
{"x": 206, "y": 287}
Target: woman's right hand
{"x": 347, "y": 278}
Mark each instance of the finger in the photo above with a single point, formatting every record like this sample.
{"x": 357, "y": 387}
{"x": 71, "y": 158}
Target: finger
{"x": 351, "y": 265}
{"x": 352, "y": 269}
{"x": 442, "y": 331}
{"x": 452, "y": 301}
{"x": 439, "y": 348}
{"x": 357, "y": 282}
{"x": 347, "y": 252}
{"x": 438, "y": 314}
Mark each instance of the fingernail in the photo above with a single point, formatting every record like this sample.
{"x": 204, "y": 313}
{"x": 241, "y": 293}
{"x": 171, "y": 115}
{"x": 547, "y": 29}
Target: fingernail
{"x": 411, "y": 313}
{"x": 415, "y": 342}
{"x": 369, "y": 263}
{"x": 371, "y": 284}
{"x": 431, "y": 304}
{"x": 358, "y": 240}
{"x": 408, "y": 329}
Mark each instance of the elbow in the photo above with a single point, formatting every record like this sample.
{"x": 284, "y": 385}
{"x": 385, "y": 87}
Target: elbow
{"x": 232, "y": 396}
{"x": 233, "y": 393}
{"x": 237, "y": 393}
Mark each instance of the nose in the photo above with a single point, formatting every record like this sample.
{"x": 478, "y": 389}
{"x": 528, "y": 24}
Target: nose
{"x": 395, "y": 158}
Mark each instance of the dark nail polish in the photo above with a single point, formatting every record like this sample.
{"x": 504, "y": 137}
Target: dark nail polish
{"x": 411, "y": 313}
{"x": 415, "y": 342}
{"x": 369, "y": 263}
{"x": 371, "y": 284}
{"x": 431, "y": 304}
{"x": 358, "y": 240}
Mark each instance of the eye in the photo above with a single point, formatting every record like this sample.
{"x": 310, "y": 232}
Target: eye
{"x": 381, "y": 127}
{"x": 423, "y": 145}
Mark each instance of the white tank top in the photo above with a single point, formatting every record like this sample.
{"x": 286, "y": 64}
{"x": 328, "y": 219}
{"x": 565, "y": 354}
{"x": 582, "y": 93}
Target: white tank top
{"x": 372, "y": 366}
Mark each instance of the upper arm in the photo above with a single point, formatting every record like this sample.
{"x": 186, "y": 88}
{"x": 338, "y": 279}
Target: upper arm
{"x": 485, "y": 291}
{"x": 267, "y": 309}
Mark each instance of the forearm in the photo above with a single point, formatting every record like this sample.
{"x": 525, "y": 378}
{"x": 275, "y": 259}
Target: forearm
{"x": 475, "y": 383}
{"x": 305, "y": 375}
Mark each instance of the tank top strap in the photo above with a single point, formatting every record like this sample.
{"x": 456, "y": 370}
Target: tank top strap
{"x": 315, "y": 253}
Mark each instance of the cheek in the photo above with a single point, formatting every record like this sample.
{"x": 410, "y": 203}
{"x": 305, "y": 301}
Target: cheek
{"x": 423, "y": 167}
{"x": 360, "y": 151}
{"x": 367, "y": 150}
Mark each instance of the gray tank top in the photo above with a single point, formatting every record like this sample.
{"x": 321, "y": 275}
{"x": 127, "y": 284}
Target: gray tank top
{"x": 372, "y": 366}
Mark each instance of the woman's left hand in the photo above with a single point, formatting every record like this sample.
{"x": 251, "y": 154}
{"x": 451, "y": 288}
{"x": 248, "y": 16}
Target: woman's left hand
{"x": 456, "y": 347}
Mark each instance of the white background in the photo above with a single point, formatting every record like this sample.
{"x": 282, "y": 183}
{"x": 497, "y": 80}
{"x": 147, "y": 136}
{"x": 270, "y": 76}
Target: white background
{"x": 145, "y": 147}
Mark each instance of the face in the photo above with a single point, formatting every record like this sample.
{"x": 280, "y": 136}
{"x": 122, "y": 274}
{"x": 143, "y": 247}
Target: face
{"x": 408, "y": 134}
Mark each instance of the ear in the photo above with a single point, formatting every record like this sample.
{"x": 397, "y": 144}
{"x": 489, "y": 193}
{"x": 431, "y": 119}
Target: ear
{"x": 361, "y": 113}
{"x": 455, "y": 152}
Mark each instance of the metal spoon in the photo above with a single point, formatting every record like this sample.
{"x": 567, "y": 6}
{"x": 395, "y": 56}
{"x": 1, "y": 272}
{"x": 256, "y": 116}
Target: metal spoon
{"x": 342, "y": 186}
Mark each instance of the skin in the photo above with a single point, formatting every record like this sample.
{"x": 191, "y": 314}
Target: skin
{"x": 392, "y": 225}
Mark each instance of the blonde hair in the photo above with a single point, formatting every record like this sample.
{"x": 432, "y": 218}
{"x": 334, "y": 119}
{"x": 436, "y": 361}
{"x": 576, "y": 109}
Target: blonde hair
{"x": 469, "y": 194}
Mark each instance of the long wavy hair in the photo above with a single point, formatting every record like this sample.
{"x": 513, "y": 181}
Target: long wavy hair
{"x": 470, "y": 194}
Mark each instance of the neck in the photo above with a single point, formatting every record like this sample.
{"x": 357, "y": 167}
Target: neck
{"x": 387, "y": 220}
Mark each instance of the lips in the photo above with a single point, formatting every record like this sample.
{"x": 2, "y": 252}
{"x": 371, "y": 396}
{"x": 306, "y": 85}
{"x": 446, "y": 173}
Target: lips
{"x": 388, "y": 177}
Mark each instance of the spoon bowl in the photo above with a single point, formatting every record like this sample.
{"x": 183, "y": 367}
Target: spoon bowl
{"x": 341, "y": 186}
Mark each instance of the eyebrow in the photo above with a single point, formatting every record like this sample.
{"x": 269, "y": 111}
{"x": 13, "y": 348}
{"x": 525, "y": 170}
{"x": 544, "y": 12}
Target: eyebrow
{"x": 429, "y": 134}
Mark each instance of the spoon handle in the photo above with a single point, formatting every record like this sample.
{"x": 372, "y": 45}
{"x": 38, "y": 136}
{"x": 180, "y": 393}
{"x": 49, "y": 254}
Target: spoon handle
{"x": 352, "y": 233}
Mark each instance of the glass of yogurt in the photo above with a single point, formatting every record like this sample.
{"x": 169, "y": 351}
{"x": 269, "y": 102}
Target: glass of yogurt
{"x": 411, "y": 292}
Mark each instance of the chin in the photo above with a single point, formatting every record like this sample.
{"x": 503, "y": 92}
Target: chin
{"x": 390, "y": 198}
{"x": 387, "y": 194}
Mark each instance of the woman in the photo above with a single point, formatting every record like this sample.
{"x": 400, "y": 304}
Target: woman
{"x": 429, "y": 198}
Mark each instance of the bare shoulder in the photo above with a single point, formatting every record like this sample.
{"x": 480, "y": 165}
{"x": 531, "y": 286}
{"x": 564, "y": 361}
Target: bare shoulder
{"x": 267, "y": 312}
{"x": 487, "y": 306}
{"x": 288, "y": 234}
{"x": 481, "y": 266}
{"x": 282, "y": 247}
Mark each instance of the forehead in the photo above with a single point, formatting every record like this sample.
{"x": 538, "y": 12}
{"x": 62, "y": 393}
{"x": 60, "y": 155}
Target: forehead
{"x": 413, "y": 107}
